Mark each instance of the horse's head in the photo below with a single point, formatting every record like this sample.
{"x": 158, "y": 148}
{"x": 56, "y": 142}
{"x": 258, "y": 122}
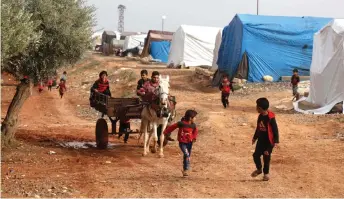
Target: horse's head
{"x": 164, "y": 89}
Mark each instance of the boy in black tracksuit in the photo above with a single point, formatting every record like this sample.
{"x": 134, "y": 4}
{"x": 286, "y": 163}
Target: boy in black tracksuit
{"x": 268, "y": 138}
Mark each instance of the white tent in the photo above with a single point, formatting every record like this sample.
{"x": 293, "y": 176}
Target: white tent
{"x": 193, "y": 46}
{"x": 218, "y": 40}
{"x": 133, "y": 41}
{"x": 96, "y": 38}
{"x": 327, "y": 69}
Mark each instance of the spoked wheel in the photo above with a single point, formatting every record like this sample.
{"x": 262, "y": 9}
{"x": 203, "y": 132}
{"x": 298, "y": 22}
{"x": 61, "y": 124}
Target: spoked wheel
{"x": 102, "y": 134}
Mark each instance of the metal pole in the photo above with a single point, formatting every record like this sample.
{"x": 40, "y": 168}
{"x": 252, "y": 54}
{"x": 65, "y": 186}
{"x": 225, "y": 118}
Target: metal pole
{"x": 257, "y": 7}
{"x": 162, "y": 25}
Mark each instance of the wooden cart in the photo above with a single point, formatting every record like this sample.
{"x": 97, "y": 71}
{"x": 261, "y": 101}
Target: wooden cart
{"x": 116, "y": 109}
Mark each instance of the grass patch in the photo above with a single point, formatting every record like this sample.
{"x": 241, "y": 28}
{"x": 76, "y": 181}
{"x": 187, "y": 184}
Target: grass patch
{"x": 127, "y": 75}
{"x": 91, "y": 65}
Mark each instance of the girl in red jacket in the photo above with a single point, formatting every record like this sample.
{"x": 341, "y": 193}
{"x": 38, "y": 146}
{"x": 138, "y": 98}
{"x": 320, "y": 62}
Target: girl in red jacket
{"x": 187, "y": 134}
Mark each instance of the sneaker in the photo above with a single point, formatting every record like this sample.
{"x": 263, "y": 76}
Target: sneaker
{"x": 266, "y": 177}
{"x": 185, "y": 173}
{"x": 256, "y": 173}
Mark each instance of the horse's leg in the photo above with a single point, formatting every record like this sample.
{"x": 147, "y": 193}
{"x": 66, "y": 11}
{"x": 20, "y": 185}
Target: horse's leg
{"x": 149, "y": 132}
{"x": 145, "y": 138}
{"x": 162, "y": 138}
{"x": 155, "y": 137}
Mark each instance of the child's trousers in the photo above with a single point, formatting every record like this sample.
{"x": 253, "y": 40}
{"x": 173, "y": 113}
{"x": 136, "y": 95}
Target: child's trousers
{"x": 186, "y": 149}
{"x": 224, "y": 99}
{"x": 260, "y": 149}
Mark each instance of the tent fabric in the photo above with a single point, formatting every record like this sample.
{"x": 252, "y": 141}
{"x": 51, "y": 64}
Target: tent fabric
{"x": 274, "y": 45}
{"x": 96, "y": 38}
{"x": 160, "y": 50}
{"x": 327, "y": 70}
{"x": 193, "y": 46}
{"x": 155, "y": 35}
{"x": 218, "y": 40}
{"x": 133, "y": 41}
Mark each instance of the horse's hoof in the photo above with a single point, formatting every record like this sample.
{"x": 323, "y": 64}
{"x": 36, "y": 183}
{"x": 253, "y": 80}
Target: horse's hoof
{"x": 144, "y": 154}
{"x": 161, "y": 155}
{"x": 153, "y": 150}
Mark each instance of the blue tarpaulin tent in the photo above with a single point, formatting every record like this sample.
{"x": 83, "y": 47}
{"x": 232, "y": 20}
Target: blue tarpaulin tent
{"x": 160, "y": 50}
{"x": 254, "y": 46}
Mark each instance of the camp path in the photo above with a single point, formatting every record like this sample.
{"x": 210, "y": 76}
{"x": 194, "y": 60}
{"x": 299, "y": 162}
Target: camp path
{"x": 308, "y": 163}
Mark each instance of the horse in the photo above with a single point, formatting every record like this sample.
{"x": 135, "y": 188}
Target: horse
{"x": 149, "y": 118}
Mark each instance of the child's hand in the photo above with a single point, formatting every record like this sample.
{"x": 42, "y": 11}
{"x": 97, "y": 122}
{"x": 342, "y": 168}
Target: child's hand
{"x": 253, "y": 141}
{"x": 277, "y": 146}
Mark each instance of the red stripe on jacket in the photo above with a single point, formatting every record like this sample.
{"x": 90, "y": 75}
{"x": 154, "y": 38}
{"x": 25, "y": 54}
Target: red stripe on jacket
{"x": 270, "y": 133}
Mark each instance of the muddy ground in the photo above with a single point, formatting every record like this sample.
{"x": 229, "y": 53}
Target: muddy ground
{"x": 309, "y": 162}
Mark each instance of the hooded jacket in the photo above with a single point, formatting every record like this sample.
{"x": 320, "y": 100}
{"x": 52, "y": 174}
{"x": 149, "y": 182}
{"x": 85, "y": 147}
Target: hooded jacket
{"x": 272, "y": 129}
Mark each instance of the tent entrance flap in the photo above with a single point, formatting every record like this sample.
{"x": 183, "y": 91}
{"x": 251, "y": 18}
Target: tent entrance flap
{"x": 242, "y": 72}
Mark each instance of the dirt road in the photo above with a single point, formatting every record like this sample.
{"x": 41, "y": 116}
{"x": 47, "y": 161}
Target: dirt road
{"x": 309, "y": 162}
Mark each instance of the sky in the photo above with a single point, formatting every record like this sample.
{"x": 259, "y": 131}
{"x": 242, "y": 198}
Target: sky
{"x": 144, "y": 15}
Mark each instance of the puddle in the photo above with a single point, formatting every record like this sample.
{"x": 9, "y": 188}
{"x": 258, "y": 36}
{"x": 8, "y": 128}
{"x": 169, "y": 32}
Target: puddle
{"x": 82, "y": 145}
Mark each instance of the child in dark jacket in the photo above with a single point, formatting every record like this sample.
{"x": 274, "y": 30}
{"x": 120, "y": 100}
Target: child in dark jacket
{"x": 225, "y": 88}
{"x": 187, "y": 134}
{"x": 267, "y": 136}
{"x": 142, "y": 81}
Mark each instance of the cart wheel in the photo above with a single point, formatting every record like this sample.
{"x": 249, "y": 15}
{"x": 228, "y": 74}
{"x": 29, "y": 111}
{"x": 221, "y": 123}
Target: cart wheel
{"x": 102, "y": 134}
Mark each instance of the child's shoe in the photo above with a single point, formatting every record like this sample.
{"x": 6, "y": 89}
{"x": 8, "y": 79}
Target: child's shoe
{"x": 256, "y": 173}
{"x": 185, "y": 173}
{"x": 266, "y": 177}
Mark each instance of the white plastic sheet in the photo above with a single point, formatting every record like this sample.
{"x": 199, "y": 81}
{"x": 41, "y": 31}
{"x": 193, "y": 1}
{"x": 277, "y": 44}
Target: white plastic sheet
{"x": 216, "y": 50}
{"x": 133, "y": 41}
{"x": 193, "y": 46}
{"x": 327, "y": 69}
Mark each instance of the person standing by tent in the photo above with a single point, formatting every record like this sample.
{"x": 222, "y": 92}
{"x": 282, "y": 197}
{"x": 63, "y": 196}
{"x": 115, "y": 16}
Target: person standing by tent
{"x": 225, "y": 88}
{"x": 267, "y": 136}
{"x": 295, "y": 79}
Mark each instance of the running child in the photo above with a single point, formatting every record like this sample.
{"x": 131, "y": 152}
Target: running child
{"x": 187, "y": 134}
{"x": 225, "y": 88}
{"x": 62, "y": 87}
{"x": 50, "y": 84}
